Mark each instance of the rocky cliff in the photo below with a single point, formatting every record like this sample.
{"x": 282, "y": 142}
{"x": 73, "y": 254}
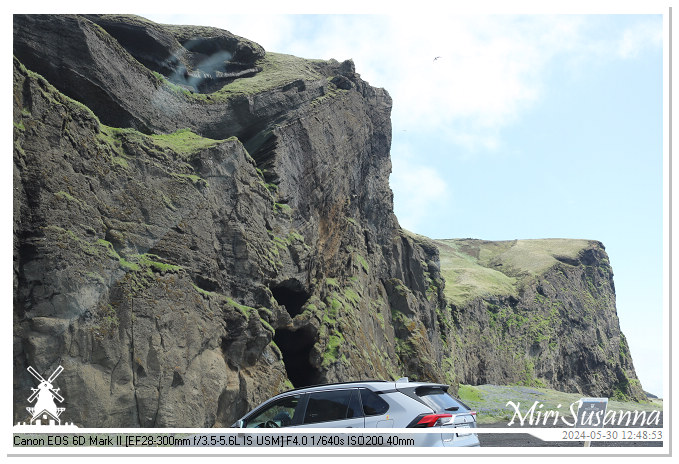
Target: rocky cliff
{"x": 535, "y": 312}
{"x": 200, "y": 224}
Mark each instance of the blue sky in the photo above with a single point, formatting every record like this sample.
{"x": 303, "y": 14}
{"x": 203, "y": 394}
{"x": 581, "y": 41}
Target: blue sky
{"x": 536, "y": 126}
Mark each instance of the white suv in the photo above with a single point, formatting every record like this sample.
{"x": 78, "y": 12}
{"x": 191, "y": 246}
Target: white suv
{"x": 371, "y": 404}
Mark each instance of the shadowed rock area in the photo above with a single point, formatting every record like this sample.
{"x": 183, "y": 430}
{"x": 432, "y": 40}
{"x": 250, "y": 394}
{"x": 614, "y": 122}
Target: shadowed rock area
{"x": 200, "y": 224}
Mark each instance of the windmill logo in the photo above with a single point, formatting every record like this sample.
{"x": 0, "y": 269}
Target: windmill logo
{"x": 45, "y": 411}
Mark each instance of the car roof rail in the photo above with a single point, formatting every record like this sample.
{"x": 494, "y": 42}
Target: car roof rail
{"x": 334, "y": 384}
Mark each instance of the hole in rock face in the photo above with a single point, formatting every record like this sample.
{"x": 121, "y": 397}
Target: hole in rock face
{"x": 291, "y": 295}
{"x": 206, "y": 284}
{"x": 296, "y": 349}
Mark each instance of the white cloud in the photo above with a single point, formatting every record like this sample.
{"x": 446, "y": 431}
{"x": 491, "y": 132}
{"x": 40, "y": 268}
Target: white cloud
{"x": 270, "y": 31}
{"x": 638, "y": 37}
{"x": 418, "y": 190}
{"x": 491, "y": 68}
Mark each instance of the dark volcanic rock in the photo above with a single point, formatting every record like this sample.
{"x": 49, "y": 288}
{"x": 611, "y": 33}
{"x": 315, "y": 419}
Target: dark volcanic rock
{"x": 199, "y": 225}
{"x": 179, "y": 279}
{"x": 199, "y": 58}
{"x": 116, "y": 239}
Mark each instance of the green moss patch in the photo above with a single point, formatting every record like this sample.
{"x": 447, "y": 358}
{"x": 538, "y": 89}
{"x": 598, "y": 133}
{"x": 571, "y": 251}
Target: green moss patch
{"x": 120, "y": 161}
{"x": 150, "y": 261}
{"x": 147, "y": 261}
{"x": 332, "y": 348}
{"x": 363, "y": 262}
{"x": 193, "y": 178}
{"x": 277, "y": 70}
{"x": 68, "y": 197}
{"x": 184, "y": 141}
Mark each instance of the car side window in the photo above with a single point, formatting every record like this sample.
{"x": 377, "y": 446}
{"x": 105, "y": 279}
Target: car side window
{"x": 330, "y": 406}
{"x": 280, "y": 413}
{"x": 373, "y": 405}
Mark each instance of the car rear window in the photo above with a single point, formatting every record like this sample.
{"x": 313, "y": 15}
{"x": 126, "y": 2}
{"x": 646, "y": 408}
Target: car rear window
{"x": 439, "y": 400}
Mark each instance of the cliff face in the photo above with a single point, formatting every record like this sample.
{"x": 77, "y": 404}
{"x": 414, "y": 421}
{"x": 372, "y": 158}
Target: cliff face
{"x": 535, "y": 312}
{"x": 199, "y": 225}
{"x": 183, "y": 276}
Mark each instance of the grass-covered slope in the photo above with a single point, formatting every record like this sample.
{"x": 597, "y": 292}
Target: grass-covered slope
{"x": 536, "y": 313}
{"x": 277, "y": 70}
{"x": 478, "y": 268}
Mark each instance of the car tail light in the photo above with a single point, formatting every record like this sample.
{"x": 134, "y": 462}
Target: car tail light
{"x": 429, "y": 420}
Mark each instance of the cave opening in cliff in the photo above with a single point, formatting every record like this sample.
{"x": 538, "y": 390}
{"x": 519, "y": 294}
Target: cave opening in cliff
{"x": 295, "y": 346}
{"x": 291, "y": 295}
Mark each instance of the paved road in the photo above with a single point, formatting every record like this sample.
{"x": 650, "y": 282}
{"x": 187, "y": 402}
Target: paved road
{"x": 527, "y": 440}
